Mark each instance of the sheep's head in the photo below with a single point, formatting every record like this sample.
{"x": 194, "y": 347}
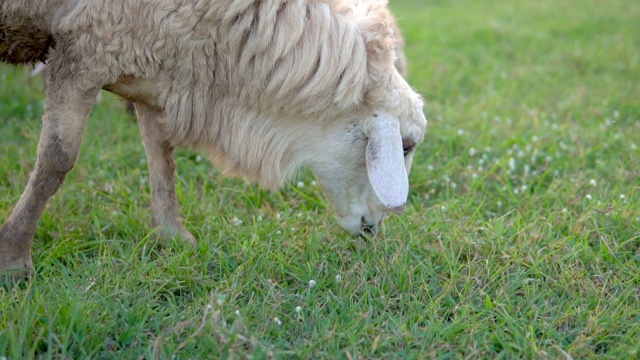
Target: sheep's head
{"x": 366, "y": 160}
{"x": 364, "y": 165}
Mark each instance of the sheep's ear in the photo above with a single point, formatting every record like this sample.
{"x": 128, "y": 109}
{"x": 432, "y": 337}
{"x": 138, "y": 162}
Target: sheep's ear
{"x": 385, "y": 161}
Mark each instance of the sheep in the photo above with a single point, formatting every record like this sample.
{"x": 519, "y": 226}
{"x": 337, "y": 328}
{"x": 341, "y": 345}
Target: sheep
{"x": 262, "y": 87}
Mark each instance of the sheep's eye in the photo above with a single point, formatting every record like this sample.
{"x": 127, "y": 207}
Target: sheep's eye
{"x": 407, "y": 146}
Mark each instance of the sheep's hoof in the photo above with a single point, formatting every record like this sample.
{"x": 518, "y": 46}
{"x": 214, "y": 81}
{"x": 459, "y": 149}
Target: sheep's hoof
{"x": 165, "y": 233}
{"x": 188, "y": 237}
{"x": 11, "y": 277}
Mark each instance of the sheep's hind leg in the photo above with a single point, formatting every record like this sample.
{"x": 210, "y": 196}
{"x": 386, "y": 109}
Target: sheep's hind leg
{"x": 165, "y": 213}
{"x": 63, "y": 123}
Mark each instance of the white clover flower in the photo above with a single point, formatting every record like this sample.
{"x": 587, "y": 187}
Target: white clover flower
{"x": 474, "y": 176}
{"x": 430, "y": 167}
{"x": 314, "y": 183}
{"x": 589, "y": 197}
{"x": 473, "y": 152}
{"x": 512, "y": 164}
{"x": 634, "y": 147}
{"x": 312, "y": 283}
{"x": 298, "y": 309}
{"x": 277, "y": 321}
{"x": 198, "y": 158}
{"x": 236, "y": 222}
{"x": 338, "y": 278}
{"x": 237, "y": 312}
{"x": 622, "y": 197}
{"x": 300, "y": 184}
{"x": 460, "y": 132}
{"x": 593, "y": 182}
{"x": 443, "y": 208}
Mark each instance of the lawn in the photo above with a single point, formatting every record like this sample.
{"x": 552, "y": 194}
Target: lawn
{"x": 521, "y": 237}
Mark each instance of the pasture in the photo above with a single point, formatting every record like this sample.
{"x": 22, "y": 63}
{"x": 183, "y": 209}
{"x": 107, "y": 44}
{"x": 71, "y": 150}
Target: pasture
{"x": 521, "y": 237}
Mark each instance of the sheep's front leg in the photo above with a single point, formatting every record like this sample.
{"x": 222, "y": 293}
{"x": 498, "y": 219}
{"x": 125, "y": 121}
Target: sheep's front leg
{"x": 63, "y": 125}
{"x": 165, "y": 212}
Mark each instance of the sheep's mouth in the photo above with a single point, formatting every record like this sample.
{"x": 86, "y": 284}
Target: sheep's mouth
{"x": 366, "y": 228}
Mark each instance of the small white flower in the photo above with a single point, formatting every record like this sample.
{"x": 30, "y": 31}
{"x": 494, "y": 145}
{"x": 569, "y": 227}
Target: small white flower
{"x": 622, "y": 197}
{"x": 198, "y": 158}
{"x": 300, "y": 184}
{"x": 237, "y": 312}
{"x": 236, "y": 222}
{"x": 499, "y": 204}
{"x": 593, "y": 182}
{"x": 298, "y": 309}
{"x": 278, "y": 232}
{"x": 443, "y": 208}
{"x": 564, "y": 210}
{"x": 473, "y": 152}
{"x": 293, "y": 229}
{"x": 312, "y": 283}
{"x": 338, "y": 278}
{"x": 474, "y": 175}
{"x": 220, "y": 301}
{"x": 277, "y": 321}
{"x": 589, "y": 197}
{"x": 460, "y": 132}
{"x": 534, "y": 138}
{"x": 430, "y": 167}
{"x": 634, "y": 147}
{"x": 314, "y": 183}
{"x": 512, "y": 164}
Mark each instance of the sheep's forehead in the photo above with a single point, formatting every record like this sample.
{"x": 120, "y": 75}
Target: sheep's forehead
{"x": 412, "y": 121}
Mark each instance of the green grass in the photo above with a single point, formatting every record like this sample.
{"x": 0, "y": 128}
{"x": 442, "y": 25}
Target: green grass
{"x": 521, "y": 238}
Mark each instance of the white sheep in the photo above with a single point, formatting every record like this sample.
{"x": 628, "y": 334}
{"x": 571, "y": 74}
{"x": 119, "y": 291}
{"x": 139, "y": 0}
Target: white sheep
{"x": 263, "y": 87}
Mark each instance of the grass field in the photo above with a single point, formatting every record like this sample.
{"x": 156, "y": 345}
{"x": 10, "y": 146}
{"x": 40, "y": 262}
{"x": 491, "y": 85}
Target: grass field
{"x": 521, "y": 238}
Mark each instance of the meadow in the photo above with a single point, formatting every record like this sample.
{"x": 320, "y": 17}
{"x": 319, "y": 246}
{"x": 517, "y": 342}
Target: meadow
{"x": 521, "y": 237}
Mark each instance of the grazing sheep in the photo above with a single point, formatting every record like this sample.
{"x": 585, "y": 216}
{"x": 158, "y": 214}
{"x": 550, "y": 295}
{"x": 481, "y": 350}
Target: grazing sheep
{"x": 263, "y": 87}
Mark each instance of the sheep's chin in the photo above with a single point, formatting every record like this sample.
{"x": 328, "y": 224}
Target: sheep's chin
{"x": 351, "y": 224}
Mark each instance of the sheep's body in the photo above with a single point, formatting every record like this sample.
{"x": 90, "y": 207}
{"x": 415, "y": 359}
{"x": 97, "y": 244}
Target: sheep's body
{"x": 263, "y": 86}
